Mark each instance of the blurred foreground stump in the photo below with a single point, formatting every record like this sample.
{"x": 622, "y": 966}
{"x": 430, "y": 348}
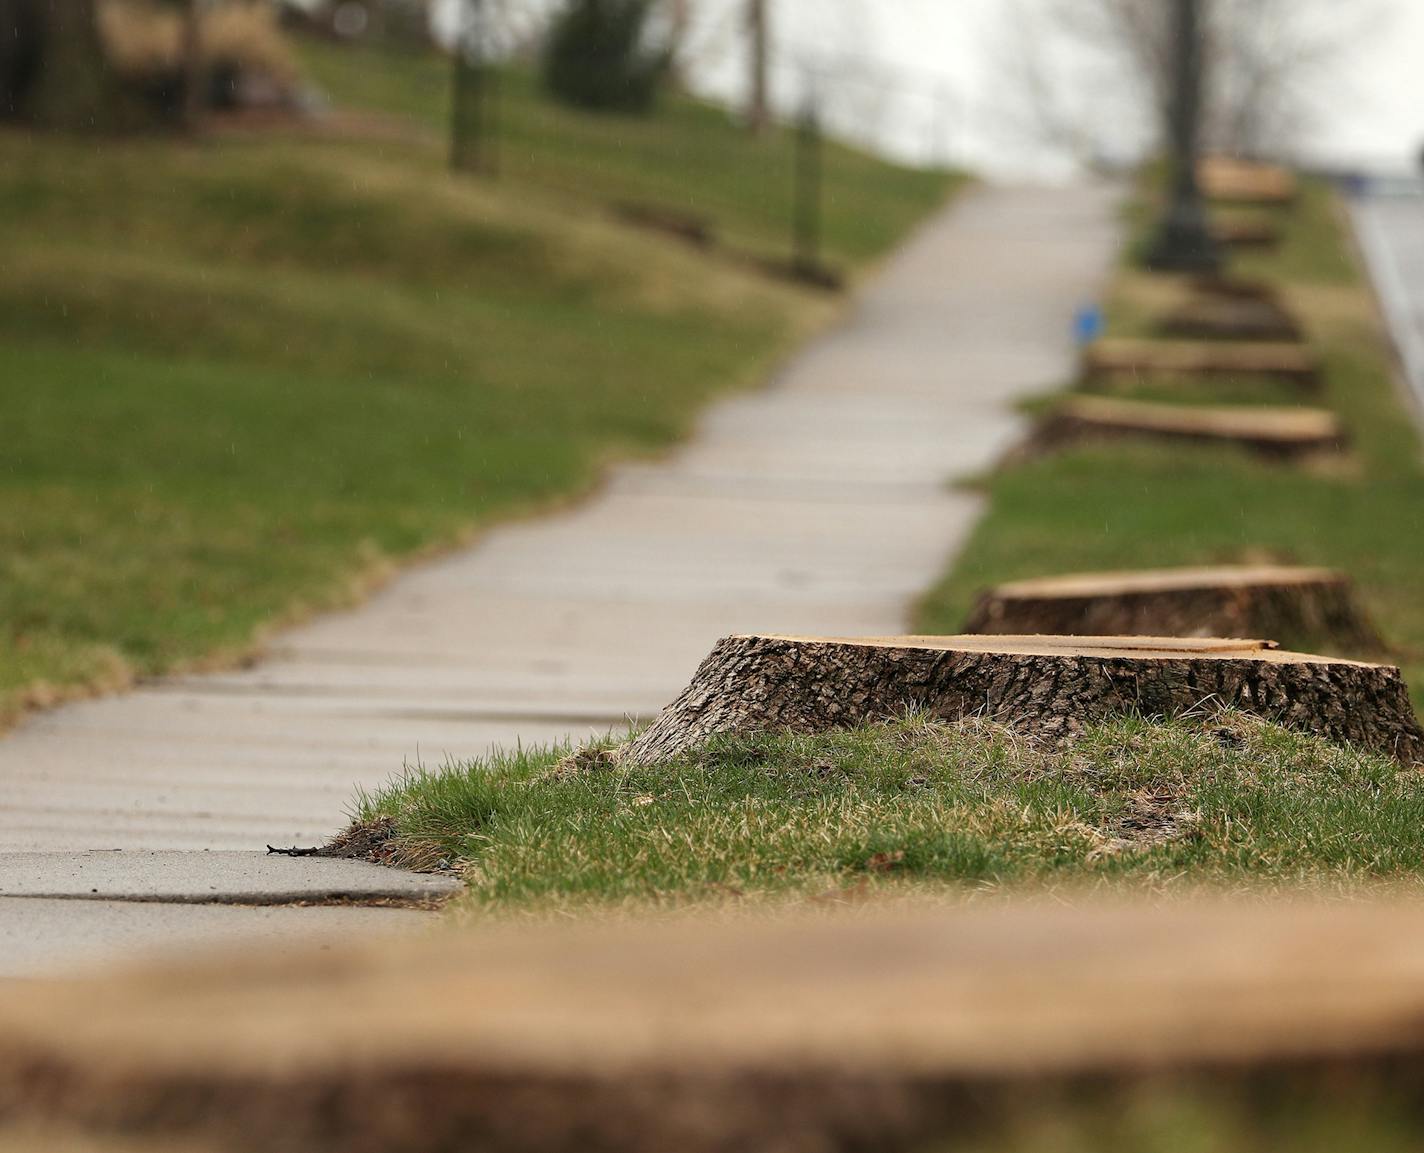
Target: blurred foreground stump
{"x": 1298, "y": 606}
{"x": 1048, "y": 688}
{"x": 819, "y": 1033}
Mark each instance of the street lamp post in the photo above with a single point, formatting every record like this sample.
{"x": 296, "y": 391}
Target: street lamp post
{"x": 1184, "y": 242}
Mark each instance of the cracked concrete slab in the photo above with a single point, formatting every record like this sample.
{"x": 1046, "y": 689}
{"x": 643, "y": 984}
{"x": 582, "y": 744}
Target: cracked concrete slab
{"x": 217, "y": 878}
{"x": 60, "y": 938}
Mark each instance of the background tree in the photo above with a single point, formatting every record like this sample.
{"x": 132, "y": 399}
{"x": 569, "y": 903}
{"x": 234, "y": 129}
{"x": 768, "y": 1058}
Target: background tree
{"x": 53, "y": 71}
{"x": 598, "y": 56}
{"x": 1268, "y": 62}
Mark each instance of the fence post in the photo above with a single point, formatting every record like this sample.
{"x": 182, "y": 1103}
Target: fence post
{"x": 472, "y": 96}
{"x": 807, "y": 212}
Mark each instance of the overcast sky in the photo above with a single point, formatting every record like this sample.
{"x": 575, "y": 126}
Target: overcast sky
{"x": 927, "y": 78}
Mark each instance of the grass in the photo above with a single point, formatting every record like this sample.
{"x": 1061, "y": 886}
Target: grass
{"x": 243, "y": 379}
{"x": 1129, "y": 506}
{"x": 1323, "y": 1113}
{"x": 1233, "y": 801}
{"x": 690, "y": 157}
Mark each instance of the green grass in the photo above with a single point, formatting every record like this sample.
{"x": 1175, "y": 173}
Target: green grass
{"x": 1366, "y": 1110}
{"x": 1231, "y": 801}
{"x": 690, "y": 157}
{"x": 1126, "y": 506}
{"x": 243, "y": 378}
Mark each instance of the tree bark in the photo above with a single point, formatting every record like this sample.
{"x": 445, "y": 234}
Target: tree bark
{"x": 1049, "y": 688}
{"x": 73, "y": 88}
{"x": 759, "y": 95}
{"x": 194, "y": 74}
{"x": 1313, "y": 609}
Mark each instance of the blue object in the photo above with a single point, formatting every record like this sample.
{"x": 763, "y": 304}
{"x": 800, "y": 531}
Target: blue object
{"x": 1088, "y": 325}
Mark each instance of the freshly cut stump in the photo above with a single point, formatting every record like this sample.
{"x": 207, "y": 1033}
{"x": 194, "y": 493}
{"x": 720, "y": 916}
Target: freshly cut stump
{"x": 1274, "y": 431}
{"x": 1137, "y": 358}
{"x": 1295, "y": 605}
{"x": 1242, "y": 182}
{"x": 1223, "y": 317}
{"x": 1048, "y": 687}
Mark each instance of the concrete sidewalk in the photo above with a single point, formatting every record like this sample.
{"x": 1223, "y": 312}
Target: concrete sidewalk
{"x": 819, "y": 505}
{"x": 1389, "y": 223}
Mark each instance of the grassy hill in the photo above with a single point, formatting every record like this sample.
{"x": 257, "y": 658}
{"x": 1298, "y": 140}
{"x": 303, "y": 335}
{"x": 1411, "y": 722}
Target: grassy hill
{"x": 242, "y": 377}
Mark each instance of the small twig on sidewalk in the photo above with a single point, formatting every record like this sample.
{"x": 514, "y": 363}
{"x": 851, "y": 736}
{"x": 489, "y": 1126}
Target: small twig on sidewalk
{"x": 292, "y": 852}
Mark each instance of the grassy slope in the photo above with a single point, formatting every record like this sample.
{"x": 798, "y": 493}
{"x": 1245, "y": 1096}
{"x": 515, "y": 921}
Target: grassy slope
{"x": 1125, "y": 506}
{"x": 240, "y": 378}
{"x": 1231, "y": 802}
{"x": 690, "y": 157}
{"x": 1235, "y": 801}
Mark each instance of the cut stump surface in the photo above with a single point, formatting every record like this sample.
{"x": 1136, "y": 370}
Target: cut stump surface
{"x": 1048, "y": 687}
{"x": 1242, "y": 182}
{"x": 1134, "y": 358}
{"x": 1276, "y": 431}
{"x": 1299, "y": 606}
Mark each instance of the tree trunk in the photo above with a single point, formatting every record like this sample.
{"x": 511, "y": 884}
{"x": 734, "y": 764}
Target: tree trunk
{"x": 194, "y": 75}
{"x": 1049, "y": 688}
{"x": 759, "y": 98}
{"x": 73, "y": 87}
{"x": 1301, "y": 608}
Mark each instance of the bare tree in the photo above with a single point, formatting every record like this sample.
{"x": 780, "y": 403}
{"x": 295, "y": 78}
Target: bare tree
{"x": 1267, "y": 64}
{"x": 759, "y": 83}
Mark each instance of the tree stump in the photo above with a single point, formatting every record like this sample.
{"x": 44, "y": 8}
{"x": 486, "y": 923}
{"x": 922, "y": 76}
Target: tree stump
{"x": 1137, "y": 358}
{"x": 1048, "y": 687}
{"x": 1236, "y": 288}
{"x": 1275, "y": 431}
{"x": 1257, "y": 235}
{"x": 1234, "y": 181}
{"x": 1232, "y": 318}
{"x": 1300, "y": 607}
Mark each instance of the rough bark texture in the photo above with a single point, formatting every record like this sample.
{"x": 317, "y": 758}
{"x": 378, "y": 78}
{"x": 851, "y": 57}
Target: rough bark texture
{"x": 1207, "y": 317}
{"x": 1277, "y": 431}
{"x": 1300, "y": 608}
{"x": 1137, "y": 358}
{"x": 1048, "y": 687}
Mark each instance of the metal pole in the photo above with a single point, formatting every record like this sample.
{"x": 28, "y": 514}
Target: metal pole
{"x": 808, "y": 192}
{"x": 468, "y": 96}
{"x": 194, "y": 74}
{"x": 759, "y": 97}
{"x": 1184, "y": 242}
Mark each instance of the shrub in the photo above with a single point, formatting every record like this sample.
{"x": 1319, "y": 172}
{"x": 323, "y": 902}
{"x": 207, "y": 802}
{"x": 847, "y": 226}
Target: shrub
{"x": 598, "y": 57}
